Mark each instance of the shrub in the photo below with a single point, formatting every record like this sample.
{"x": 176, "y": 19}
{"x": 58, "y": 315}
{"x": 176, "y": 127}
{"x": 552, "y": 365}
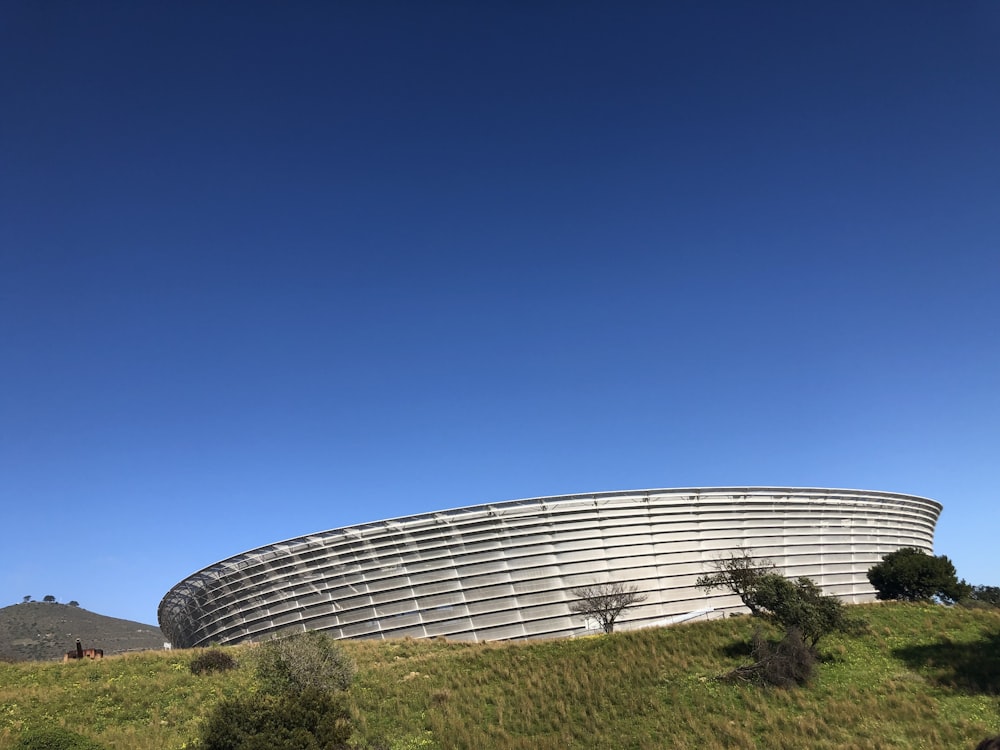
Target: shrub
{"x": 55, "y": 738}
{"x": 306, "y": 720}
{"x": 308, "y": 661}
{"x": 787, "y": 663}
{"x": 213, "y": 660}
{"x": 790, "y": 662}
{"x": 983, "y": 596}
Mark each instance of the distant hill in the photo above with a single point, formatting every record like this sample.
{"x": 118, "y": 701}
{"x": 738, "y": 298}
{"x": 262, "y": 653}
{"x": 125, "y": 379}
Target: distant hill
{"x": 43, "y": 631}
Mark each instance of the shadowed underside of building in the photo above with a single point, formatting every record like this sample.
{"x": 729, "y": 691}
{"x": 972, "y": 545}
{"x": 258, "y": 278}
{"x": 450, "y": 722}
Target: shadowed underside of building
{"x": 504, "y": 570}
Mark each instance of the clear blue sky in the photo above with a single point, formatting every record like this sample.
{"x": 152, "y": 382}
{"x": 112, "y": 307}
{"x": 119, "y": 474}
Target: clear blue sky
{"x": 273, "y": 268}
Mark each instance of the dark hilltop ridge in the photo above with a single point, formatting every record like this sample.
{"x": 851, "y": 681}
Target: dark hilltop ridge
{"x": 45, "y": 631}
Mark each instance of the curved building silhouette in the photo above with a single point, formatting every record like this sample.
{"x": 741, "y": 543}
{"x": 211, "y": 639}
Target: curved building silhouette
{"x": 504, "y": 570}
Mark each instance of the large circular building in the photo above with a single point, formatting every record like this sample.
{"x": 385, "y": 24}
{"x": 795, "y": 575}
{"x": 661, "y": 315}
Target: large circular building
{"x": 505, "y": 570}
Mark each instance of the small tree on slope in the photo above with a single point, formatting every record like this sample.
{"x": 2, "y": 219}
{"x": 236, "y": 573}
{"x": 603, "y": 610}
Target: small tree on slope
{"x": 740, "y": 573}
{"x": 802, "y": 606}
{"x": 912, "y": 575}
{"x": 605, "y": 602}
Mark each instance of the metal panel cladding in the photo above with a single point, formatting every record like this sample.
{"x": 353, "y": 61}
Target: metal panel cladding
{"x": 505, "y": 570}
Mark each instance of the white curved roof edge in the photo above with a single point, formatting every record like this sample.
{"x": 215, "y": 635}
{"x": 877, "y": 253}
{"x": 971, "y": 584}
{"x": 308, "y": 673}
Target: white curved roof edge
{"x": 486, "y": 507}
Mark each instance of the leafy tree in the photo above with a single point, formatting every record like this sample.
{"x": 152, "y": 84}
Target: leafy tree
{"x": 740, "y": 573}
{"x": 798, "y": 606}
{"x": 912, "y": 575}
{"x": 49, "y": 598}
{"x": 27, "y": 598}
{"x": 74, "y": 603}
{"x": 605, "y": 602}
{"x": 801, "y": 605}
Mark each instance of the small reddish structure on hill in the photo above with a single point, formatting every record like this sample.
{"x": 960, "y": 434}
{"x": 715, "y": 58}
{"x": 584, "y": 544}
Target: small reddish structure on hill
{"x": 83, "y": 653}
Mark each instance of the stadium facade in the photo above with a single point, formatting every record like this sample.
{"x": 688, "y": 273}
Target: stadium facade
{"x": 505, "y": 570}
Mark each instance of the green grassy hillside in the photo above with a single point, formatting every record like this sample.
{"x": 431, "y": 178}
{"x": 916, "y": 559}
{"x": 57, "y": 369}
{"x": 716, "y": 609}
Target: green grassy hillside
{"x": 923, "y": 677}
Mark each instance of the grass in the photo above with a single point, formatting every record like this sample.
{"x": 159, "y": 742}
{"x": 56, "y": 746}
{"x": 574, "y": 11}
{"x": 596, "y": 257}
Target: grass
{"x": 923, "y": 677}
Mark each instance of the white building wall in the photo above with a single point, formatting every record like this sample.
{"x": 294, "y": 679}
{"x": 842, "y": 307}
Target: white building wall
{"x": 504, "y": 570}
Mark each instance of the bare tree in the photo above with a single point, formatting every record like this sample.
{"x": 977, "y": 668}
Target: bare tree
{"x": 605, "y": 602}
{"x": 741, "y": 573}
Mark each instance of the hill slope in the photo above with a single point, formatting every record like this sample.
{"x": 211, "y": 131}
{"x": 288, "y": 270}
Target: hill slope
{"x": 923, "y": 676}
{"x": 42, "y": 631}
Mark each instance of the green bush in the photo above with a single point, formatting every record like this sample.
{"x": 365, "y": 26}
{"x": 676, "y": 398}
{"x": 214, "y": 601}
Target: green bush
{"x": 307, "y": 661}
{"x": 305, "y": 720}
{"x": 983, "y": 596}
{"x": 213, "y": 660}
{"x": 55, "y": 738}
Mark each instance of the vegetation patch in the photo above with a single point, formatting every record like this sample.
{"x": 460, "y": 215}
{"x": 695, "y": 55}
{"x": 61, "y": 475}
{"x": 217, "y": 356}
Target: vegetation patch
{"x": 790, "y": 662}
{"x": 260, "y": 721}
{"x": 213, "y": 660}
{"x": 906, "y": 682}
{"x": 55, "y": 738}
